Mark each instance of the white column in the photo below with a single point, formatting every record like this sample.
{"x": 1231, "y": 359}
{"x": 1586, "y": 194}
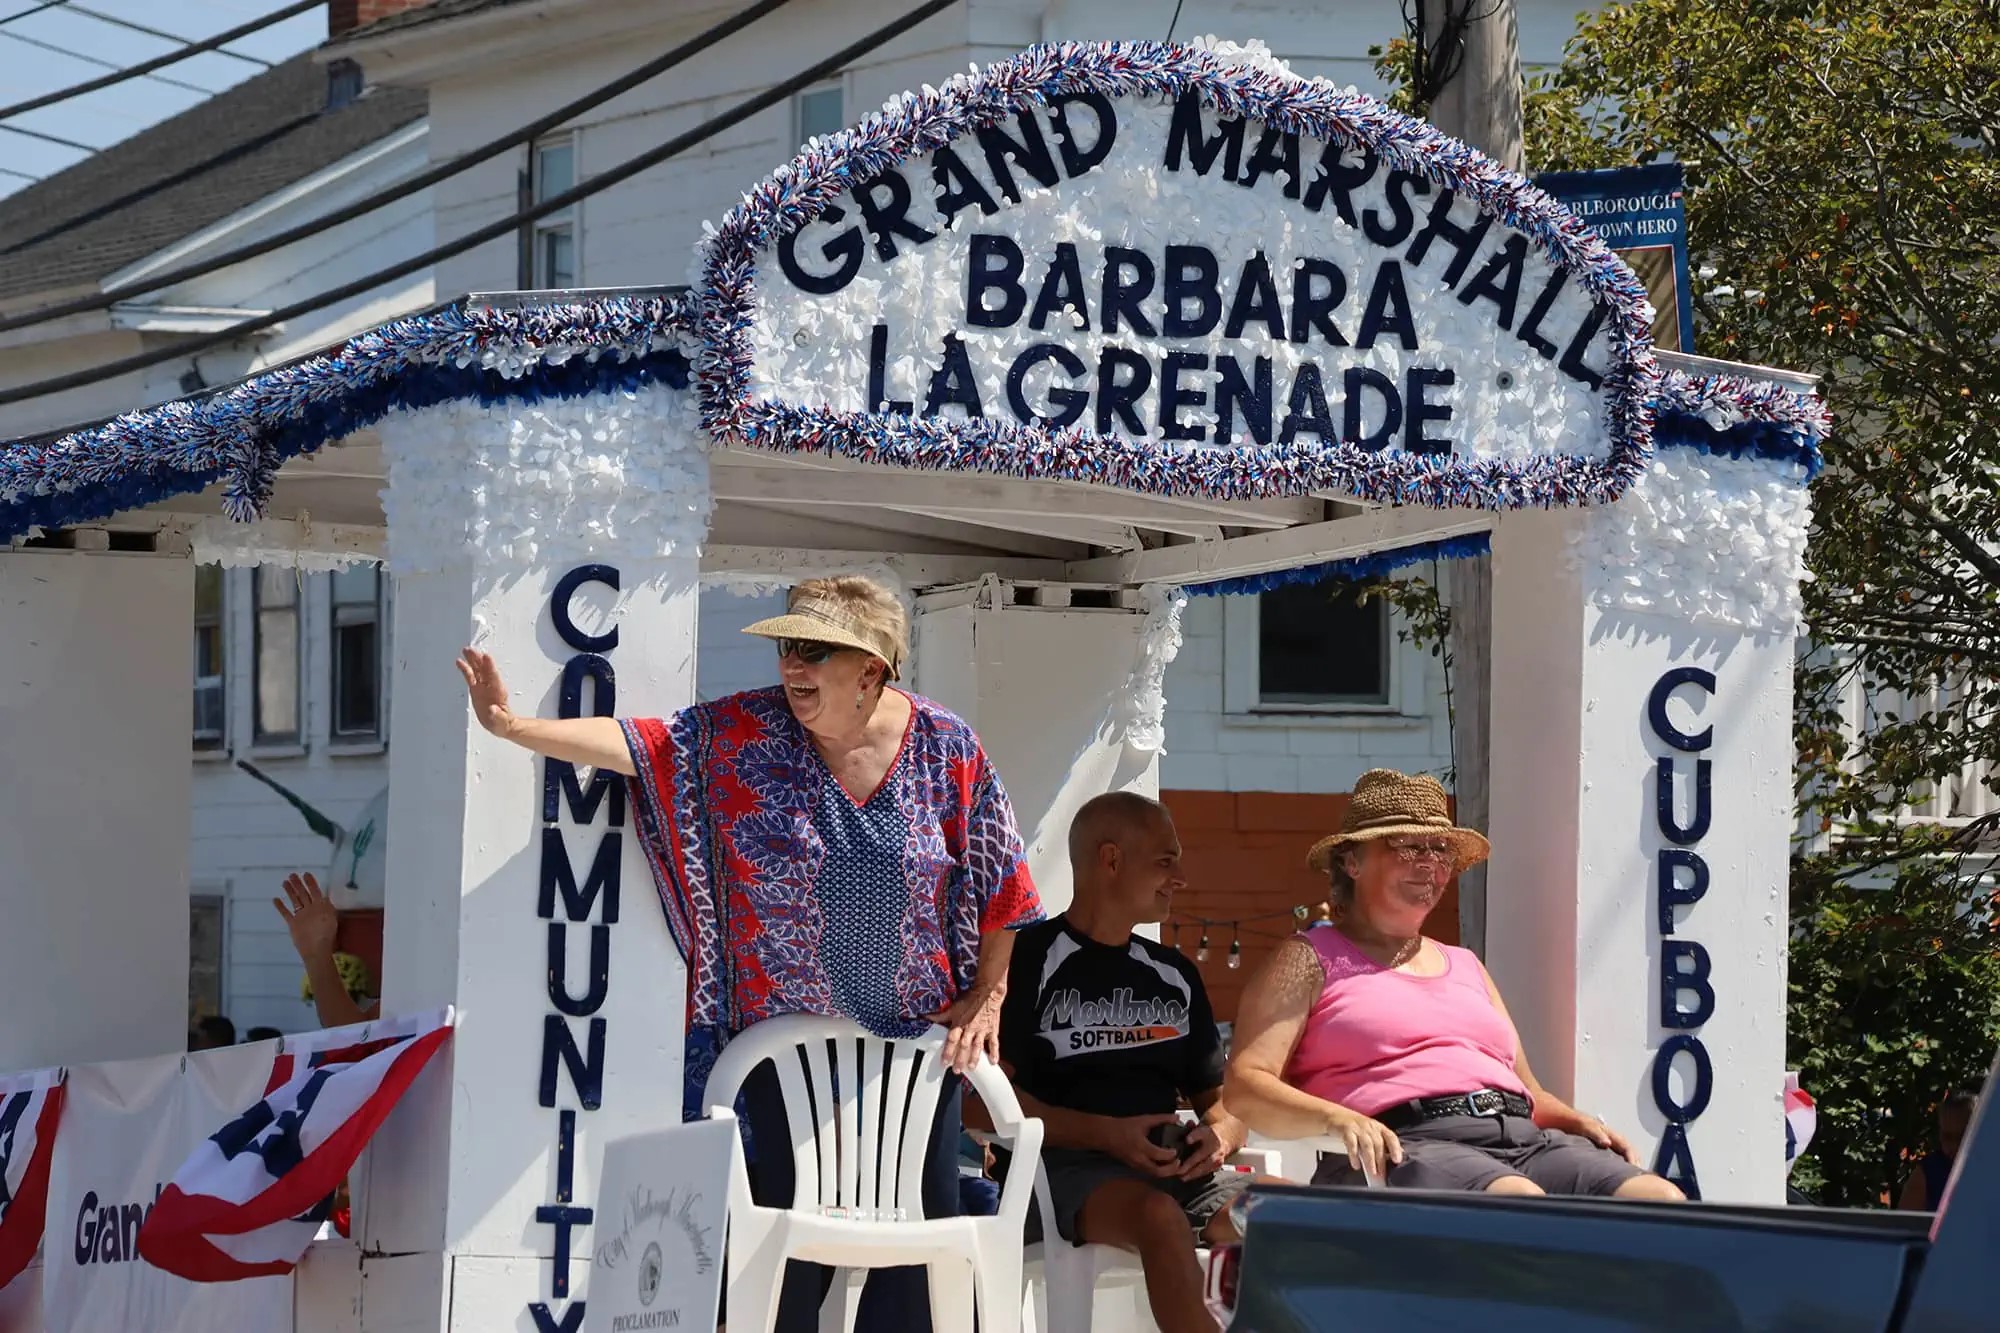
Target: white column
{"x": 562, "y": 539}
{"x": 1642, "y": 808}
{"x": 95, "y": 683}
{"x": 1067, "y": 700}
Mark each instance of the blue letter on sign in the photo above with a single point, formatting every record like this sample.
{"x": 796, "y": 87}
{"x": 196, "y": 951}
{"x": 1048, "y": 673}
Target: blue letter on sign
{"x": 1672, "y": 892}
{"x": 1674, "y": 979}
{"x": 559, "y": 608}
{"x": 1656, "y": 708}
{"x": 559, "y": 877}
{"x": 1694, "y": 830}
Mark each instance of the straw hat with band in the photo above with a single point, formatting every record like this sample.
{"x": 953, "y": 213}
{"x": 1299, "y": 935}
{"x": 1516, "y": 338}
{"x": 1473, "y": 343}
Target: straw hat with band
{"x": 1389, "y": 804}
{"x": 825, "y": 620}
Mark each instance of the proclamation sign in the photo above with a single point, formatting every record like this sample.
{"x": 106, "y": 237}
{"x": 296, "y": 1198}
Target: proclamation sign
{"x": 1091, "y": 258}
{"x": 663, "y": 1210}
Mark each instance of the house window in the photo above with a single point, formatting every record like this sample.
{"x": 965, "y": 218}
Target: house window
{"x": 205, "y": 938}
{"x": 1307, "y": 649}
{"x": 355, "y": 615}
{"x": 553, "y": 171}
{"x": 818, "y": 111}
{"x": 1318, "y": 649}
{"x": 209, "y": 712}
{"x": 276, "y": 603}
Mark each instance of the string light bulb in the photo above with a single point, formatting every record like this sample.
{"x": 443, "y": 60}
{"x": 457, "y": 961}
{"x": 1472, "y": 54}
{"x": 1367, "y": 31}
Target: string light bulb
{"x": 1201, "y": 954}
{"x": 1235, "y": 951}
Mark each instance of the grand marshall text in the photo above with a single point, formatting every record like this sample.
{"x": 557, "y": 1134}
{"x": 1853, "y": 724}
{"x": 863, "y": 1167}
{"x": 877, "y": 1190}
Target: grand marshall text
{"x": 1185, "y": 292}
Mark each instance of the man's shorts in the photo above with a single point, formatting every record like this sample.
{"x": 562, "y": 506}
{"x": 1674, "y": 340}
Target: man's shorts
{"x": 1470, "y": 1152}
{"x": 1074, "y": 1175}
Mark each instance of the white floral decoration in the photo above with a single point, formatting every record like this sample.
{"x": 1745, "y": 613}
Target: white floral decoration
{"x": 552, "y": 482}
{"x": 1140, "y": 710}
{"x": 1704, "y": 538}
{"x": 1251, "y": 54}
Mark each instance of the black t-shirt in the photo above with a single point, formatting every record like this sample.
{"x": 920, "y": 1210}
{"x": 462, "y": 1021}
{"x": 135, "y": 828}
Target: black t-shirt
{"x": 1107, "y": 1030}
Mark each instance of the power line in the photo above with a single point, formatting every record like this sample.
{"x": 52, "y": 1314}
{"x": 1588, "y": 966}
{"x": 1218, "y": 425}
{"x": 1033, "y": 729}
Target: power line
{"x": 9, "y": 171}
{"x": 146, "y": 67}
{"x": 50, "y": 138}
{"x": 422, "y": 181}
{"x": 102, "y": 64}
{"x": 624, "y": 171}
{"x": 103, "y": 17}
{"x": 32, "y": 10}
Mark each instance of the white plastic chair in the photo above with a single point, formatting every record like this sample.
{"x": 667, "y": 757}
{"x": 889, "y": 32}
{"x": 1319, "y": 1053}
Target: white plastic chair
{"x": 861, "y": 1110}
{"x": 1072, "y": 1277}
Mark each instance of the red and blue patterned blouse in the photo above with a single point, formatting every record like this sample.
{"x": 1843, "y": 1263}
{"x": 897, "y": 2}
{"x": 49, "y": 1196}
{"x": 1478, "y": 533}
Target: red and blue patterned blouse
{"x": 786, "y": 894}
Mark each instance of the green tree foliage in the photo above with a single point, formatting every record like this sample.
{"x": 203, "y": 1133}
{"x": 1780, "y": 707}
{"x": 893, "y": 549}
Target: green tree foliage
{"x": 1843, "y": 166}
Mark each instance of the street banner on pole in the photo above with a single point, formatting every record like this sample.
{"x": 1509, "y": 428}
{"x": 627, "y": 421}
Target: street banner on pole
{"x": 1638, "y": 211}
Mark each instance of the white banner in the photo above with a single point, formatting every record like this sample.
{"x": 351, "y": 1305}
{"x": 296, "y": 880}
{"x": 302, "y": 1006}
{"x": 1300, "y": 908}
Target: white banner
{"x": 127, "y": 1126}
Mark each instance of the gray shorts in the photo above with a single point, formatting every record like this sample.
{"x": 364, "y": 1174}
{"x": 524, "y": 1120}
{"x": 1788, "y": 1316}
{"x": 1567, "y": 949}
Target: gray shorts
{"x": 1075, "y": 1175}
{"x": 1470, "y": 1152}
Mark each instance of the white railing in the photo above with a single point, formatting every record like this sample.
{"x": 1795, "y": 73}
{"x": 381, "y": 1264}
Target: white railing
{"x": 1959, "y": 799}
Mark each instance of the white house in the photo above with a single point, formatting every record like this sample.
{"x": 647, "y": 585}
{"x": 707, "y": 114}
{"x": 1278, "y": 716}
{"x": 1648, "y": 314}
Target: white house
{"x": 278, "y": 150}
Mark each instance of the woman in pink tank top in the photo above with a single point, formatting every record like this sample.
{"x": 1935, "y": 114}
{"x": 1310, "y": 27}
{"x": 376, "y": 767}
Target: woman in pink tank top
{"x": 1400, "y": 1048}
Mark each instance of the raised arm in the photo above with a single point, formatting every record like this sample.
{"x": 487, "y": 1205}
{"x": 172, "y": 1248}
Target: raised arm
{"x": 598, "y": 742}
{"x": 313, "y": 922}
{"x": 1269, "y": 1019}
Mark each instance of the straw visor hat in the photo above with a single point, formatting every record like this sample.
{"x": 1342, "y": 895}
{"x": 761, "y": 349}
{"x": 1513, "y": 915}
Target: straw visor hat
{"x": 1387, "y": 803}
{"x": 832, "y": 620}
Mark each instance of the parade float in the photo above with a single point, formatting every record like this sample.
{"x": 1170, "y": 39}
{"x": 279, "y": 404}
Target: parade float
{"x": 1052, "y": 347}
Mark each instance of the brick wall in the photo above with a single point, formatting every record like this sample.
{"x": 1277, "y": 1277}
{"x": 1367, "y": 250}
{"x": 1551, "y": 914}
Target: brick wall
{"x": 346, "y": 15}
{"x": 1245, "y": 854}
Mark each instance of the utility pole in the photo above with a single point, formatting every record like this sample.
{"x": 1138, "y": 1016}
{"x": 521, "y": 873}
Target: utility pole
{"x": 1472, "y": 53}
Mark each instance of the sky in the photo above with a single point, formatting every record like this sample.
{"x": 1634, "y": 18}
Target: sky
{"x": 122, "y": 110}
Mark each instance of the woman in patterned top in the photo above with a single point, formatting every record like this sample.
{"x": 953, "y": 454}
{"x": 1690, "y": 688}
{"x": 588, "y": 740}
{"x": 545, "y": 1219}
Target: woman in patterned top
{"x": 829, "y": 845}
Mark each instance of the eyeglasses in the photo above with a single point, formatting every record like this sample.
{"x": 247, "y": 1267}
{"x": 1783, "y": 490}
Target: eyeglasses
{"x": 1410, "y": 853}
{"x": 810, "y": 651}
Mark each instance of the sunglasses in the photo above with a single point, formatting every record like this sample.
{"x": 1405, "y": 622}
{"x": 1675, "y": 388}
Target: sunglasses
{"x": 810, "y": 651}
{"x": 1411, "y": 852}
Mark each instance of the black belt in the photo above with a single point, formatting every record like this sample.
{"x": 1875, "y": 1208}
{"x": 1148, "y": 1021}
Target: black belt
{"x": 1482, "y": 1102}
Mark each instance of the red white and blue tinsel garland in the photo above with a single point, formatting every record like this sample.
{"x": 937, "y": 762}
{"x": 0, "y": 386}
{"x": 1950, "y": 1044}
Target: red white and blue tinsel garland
{"x": 1737, "y": 418}
{"x": 925, "y": 120}
{"x": 243, "y": 434}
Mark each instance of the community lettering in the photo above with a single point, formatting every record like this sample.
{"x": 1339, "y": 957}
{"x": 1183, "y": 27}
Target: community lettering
{"x": 1399, "y": 235}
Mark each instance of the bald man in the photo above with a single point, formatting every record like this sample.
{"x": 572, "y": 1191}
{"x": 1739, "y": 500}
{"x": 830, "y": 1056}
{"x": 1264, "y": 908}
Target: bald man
{"x": 1104, "y": 1033}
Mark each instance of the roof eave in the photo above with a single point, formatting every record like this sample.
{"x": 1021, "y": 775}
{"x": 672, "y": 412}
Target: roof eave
{"x": 488, "y": 39}
{"x": 410, "y": 54}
